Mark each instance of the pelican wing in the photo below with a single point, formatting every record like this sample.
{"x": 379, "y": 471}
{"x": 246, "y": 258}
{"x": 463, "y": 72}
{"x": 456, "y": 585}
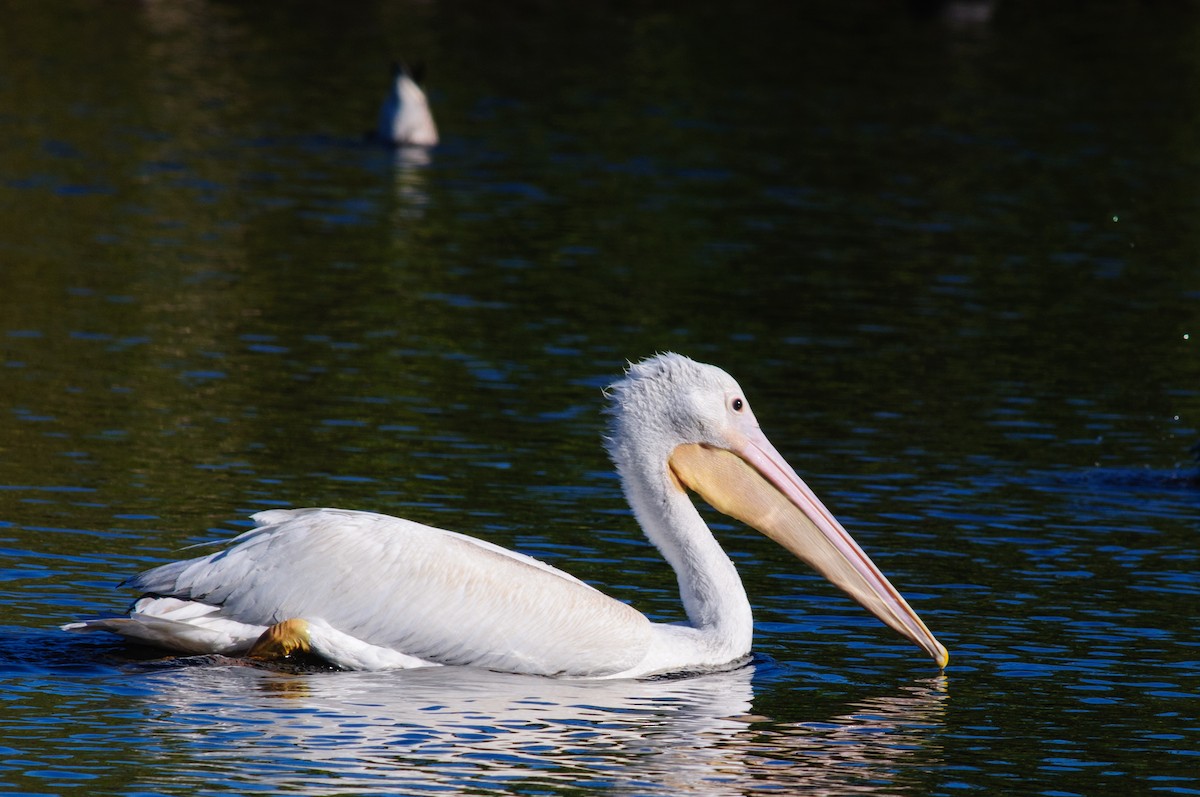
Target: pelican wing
{"x": 431, "y": 594}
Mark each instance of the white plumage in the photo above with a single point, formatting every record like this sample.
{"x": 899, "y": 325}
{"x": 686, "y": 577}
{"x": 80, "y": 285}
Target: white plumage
{"x": 405, "y": 117}
{"x": 374, "y": 592}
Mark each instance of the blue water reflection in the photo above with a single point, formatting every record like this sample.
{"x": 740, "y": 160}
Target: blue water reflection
{"x": 473, "y": 731}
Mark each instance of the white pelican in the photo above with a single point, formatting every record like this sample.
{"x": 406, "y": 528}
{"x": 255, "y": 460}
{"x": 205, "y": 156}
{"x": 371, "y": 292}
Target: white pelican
{"x": 368, "y": 591}
{"x": 405, "y": 118}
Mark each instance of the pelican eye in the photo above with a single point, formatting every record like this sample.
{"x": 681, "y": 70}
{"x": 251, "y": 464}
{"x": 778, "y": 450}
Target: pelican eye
{"x": 737, "y": 404}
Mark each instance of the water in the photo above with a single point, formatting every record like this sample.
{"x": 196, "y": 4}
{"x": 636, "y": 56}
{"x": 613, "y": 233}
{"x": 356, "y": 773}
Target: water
{"x": 953, "y": 264}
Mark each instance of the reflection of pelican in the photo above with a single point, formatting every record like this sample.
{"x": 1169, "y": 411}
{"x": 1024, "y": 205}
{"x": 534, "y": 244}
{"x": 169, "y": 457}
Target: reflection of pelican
{"x": 405, "y": 117}
{"x": 461, "y": 731}
{"x": 465, "y": 730}
{"x": 369, "y": 591}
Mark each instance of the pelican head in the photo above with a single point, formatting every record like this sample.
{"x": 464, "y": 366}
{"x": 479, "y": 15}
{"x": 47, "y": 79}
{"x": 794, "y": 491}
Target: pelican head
{"x": 679, "y": 426}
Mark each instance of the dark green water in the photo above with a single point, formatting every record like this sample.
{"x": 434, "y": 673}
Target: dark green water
{"x": 954, "y": 264}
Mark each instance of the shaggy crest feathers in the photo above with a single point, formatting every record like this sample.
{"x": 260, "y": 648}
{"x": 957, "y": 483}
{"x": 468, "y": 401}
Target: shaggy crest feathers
{"x": 636, "y": 402}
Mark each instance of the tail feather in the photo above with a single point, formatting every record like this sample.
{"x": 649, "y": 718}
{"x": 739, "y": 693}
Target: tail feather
{"x": 184, "y": 626}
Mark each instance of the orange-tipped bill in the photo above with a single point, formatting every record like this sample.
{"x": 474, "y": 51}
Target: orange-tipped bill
{"x": 754, "y": 484}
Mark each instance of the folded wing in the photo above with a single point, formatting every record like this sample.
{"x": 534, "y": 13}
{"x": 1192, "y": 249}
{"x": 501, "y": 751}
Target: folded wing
{"x": 432, "y": 594}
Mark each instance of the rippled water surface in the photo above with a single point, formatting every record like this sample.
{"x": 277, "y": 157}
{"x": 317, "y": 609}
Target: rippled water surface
{"x": 949, "y": 252}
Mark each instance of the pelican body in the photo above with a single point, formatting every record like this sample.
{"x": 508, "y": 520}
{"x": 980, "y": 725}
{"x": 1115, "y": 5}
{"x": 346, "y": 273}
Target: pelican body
{"x": 404, "y": 117}
{"x": 369, "y": 591}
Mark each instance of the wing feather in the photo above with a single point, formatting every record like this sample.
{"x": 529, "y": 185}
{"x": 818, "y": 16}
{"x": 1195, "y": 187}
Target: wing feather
{"x": 429, "y": 593}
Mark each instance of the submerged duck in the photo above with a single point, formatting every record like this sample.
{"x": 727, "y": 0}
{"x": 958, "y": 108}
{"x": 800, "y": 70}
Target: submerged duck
{"x": 405, "y": 118}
